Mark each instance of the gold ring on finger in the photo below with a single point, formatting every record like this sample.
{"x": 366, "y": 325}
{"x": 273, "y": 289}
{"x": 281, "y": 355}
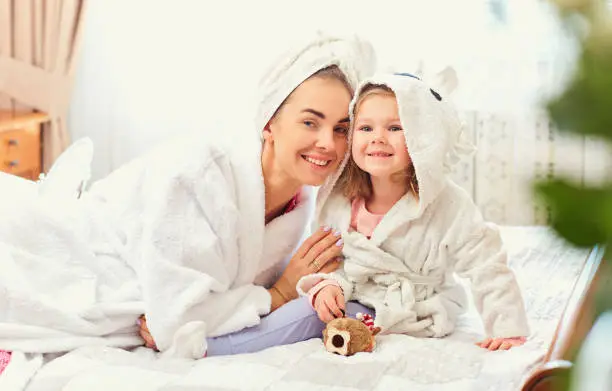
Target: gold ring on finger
{"x": 316, "y": 264}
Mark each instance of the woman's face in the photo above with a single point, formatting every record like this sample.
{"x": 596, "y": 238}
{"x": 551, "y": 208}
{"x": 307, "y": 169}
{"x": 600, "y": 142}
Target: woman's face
{"x": 309, "y": 133}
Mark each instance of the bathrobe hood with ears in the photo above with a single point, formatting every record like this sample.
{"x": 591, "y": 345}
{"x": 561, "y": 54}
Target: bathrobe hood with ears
{"x": 434, "y": 134}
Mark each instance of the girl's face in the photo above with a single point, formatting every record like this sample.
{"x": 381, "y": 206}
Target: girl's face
{"x": 379, "y": 145}
{"x": 309, "y": 132}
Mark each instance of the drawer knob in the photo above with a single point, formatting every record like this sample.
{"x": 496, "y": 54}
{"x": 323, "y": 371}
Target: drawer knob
{"x": 12, "y": 163}
{"x": 13, "y": 142}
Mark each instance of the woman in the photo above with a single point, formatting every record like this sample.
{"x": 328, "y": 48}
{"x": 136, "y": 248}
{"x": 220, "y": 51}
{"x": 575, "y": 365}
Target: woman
{"x": 193, "y": 235}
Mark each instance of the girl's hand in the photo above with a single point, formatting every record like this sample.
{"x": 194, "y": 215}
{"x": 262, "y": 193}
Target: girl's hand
{"x": 319, "y": 253}
{"x": 145, "y": 334}
{"x": 501, "y": 343}
{"x": 329, "y": 303}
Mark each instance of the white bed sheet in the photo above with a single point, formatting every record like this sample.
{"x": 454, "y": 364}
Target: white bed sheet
{"x": 546, "y": 268}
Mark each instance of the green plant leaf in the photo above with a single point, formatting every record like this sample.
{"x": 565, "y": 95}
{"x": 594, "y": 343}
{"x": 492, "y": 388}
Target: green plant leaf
{"x": 586, "y": 106}
{"x": 582, "y": 215}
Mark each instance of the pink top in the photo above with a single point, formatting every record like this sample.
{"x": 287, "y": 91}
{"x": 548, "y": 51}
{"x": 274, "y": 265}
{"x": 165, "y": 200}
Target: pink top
{"x": 362, "y": 221}
{"x": 293, "y": 203}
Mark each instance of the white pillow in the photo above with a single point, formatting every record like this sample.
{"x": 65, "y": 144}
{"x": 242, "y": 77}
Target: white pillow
{"x": 70, "y": 172}
{"x": 16, "y": 189}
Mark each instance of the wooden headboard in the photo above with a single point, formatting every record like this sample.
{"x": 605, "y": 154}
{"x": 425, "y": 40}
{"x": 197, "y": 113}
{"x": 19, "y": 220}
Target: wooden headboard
{"x": 578, "y": 318}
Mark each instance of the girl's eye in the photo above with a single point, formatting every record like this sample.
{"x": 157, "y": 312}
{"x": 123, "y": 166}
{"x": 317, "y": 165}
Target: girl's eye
{"x": 395, "y": 128}
{"x": 365, "y": 129}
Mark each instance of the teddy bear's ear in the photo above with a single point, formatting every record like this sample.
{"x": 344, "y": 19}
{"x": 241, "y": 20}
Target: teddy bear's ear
{"x": 375, "y": 330}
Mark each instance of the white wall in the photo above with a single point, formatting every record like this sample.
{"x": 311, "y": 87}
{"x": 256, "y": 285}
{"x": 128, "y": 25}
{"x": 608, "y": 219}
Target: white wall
{"x": 151, "y": 69}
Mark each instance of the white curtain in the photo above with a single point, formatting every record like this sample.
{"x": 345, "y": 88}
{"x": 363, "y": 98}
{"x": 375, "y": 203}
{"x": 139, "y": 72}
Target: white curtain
{"x": 152, "y": 69}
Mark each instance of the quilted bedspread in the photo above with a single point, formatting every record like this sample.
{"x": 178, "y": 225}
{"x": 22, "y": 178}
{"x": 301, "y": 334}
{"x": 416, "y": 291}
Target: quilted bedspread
{"x": 546, "y": 269}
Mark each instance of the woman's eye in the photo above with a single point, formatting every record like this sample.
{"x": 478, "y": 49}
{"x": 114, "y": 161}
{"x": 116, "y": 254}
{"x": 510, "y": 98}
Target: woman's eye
{"x": 365, "y": 129}
{"x": 396, "y": 129}
{"x": 309, "y": 124}
{"x": 341, "y": 130}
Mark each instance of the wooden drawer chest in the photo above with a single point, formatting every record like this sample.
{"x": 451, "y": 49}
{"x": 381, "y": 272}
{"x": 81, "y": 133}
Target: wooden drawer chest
{"x": 20, "y": 143}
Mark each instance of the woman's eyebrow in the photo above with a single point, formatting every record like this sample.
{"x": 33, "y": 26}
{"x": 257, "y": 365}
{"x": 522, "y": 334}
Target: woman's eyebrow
{"x": 315, "y": 112}
{"x": 322, "y": 116}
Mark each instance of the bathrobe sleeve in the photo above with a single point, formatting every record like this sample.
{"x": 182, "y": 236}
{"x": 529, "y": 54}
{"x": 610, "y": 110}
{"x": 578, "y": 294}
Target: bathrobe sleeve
{"x": 306, "y": 283}
{"x": 478, "y": 254}
{"x": 190, "y": 257}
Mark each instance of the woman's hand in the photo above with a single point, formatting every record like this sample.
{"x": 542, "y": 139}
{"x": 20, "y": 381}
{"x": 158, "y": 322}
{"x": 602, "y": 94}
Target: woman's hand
{"x": 319, "y": 253}
{"x": 145, "y": 334}
{"x": 329, "y": 303}
{"x": 501, "y": 343}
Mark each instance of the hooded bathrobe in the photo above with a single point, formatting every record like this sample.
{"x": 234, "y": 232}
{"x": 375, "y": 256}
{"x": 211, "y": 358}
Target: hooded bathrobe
{"x": 406, "y": 270}
{"x": 178, "y": 234}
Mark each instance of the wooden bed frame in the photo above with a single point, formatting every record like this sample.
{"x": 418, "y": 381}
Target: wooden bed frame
{"x": 575, "y": 323}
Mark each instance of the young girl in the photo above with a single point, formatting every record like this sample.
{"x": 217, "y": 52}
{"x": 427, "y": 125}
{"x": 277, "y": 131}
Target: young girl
{"x": 407, "y": 228}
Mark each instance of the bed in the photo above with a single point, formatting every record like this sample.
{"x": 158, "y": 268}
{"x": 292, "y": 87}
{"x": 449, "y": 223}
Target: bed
{"x": 555, "y": 279}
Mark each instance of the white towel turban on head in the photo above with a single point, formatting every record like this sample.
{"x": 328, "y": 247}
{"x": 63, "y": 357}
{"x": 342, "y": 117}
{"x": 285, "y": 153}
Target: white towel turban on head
{"x": 352, "y": 55}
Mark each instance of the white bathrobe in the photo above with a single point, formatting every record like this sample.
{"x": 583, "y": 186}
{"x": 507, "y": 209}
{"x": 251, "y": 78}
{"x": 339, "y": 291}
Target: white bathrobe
{"x": 178, "y": 235}
{"x": 406, "y": 270}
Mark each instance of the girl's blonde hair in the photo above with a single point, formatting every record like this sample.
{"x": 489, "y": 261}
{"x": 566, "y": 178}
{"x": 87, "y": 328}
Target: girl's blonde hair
{"x": 356, "y": 183}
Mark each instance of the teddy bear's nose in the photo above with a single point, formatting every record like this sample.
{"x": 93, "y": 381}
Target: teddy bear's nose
{"x": 338, "y": 341}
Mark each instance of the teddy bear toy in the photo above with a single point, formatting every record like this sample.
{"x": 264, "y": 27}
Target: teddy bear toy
{"x": 347, "y": 336}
